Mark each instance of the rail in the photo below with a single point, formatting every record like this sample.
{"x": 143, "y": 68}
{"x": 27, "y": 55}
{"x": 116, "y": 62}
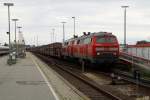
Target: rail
{"x": 129, "y": 77}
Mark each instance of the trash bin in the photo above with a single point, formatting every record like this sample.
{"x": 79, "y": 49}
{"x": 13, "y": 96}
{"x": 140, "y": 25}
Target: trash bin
{"x": 12, "y": 58}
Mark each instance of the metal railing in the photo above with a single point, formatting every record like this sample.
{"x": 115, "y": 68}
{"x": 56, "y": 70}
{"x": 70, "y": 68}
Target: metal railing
{"x": 135, "y": 59}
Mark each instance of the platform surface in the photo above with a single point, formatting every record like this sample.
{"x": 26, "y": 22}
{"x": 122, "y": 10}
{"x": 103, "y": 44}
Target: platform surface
{"x": 23, "y": 81}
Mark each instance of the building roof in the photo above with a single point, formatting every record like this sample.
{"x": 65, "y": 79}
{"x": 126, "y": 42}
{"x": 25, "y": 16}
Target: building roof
{"x": 140, "y": 45}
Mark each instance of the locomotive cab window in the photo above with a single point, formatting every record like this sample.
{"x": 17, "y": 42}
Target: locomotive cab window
{"x": 70, "y": 43}
{"x": 106, "y": 39}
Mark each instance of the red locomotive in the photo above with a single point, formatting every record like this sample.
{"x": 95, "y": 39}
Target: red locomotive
{"x": 100, "y": 47}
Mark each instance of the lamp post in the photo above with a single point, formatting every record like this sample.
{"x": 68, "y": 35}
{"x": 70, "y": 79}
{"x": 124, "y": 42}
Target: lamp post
{"x": 37, "y": 40}
{"x": 53, "y": 31}
{"x": 125, "y": 7}
{"x": 8, "y": 5}
{"x": 15, "y": 20}
{"x": 63, "y": 31}
{"x": 19, "y": 27}
{"x": 74, "y": 25}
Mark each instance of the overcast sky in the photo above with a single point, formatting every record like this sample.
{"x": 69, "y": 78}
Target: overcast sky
{"x": 38, "y": 17}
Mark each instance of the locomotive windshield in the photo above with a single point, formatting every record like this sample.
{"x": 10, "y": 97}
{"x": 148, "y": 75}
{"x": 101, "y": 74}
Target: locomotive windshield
{"x": 106, "y": 39}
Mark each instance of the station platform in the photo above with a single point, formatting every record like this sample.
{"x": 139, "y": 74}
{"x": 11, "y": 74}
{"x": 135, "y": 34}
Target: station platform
{"x": 26, "y": 81}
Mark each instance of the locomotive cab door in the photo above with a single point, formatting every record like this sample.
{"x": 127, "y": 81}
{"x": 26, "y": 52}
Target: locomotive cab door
{"x": 87, "y": 47}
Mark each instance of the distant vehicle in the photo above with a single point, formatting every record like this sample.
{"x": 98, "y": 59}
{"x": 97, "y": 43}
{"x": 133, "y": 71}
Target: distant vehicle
{"x": 100, "y": 47}
{"x": 4, "y": 50}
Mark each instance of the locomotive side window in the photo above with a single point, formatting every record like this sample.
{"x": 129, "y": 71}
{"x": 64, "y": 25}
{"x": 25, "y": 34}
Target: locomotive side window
{"x": 66, "y": 43}
{"x": 81, "y": 41}
{"x": 87, "y": 41}
{"x": 73, "y": 42}
{"x": 76, "y": 42}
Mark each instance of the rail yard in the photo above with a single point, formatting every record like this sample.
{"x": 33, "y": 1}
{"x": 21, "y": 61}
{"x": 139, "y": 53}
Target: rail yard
{"x": 74, "y": 50}
{"x": 123, "y": 88}
{"x": 97, "y": 80}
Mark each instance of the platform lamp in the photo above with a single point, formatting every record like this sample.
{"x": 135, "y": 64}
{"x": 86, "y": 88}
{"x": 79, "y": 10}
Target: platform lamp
{"x": 8, "y": 5}
{"x": 125, "y": 44}
{"x": 74, "y": 25}
{"x": 19, "y": 27}
{"x": 63, "y": 31}
{"x": 53, "y": 35}
{"x": 15, "y": 20}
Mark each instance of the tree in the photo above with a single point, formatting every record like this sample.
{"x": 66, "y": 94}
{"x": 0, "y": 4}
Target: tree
{"x": 142, "y": 42}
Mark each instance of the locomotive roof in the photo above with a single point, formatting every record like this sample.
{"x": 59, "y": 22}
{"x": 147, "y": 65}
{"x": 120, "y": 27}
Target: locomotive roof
{"x": 101, "y": 34}
{"x": 92, "y": 34}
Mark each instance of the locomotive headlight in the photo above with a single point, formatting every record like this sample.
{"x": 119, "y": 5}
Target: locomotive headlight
{"x": 113, "y": 49}
{"x": 99, "y": 49}
{"x": 98, "y": 53}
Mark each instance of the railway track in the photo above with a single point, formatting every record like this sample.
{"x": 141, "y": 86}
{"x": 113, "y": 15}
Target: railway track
{"x": 124, "y": 75}
{"x": 129, "y": 77}
{"x": 84, "y": 84}
{"x": 124, "y": 86}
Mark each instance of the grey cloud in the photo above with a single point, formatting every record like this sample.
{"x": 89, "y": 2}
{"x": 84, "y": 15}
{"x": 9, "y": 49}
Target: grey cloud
{"x": 36, "y": 17}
